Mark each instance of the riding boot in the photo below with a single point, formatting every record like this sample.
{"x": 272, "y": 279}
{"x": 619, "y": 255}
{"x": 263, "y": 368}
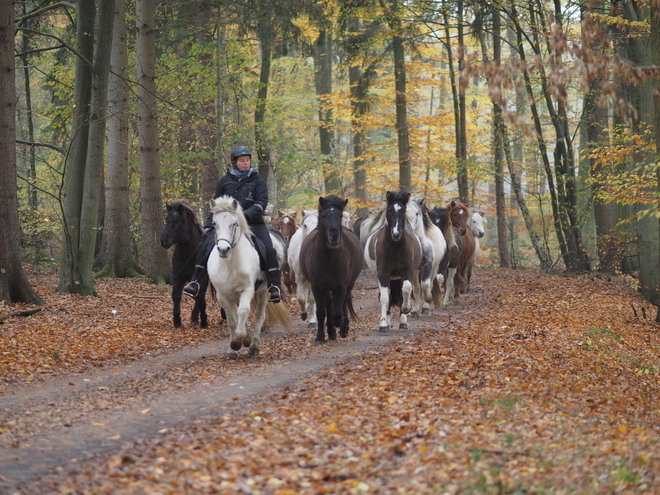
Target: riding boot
{"x": 191, "y": 289}
{"x": 274, "y": 285}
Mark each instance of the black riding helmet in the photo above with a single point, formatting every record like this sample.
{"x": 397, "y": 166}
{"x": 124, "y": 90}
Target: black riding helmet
{"x": 240, "y": 151}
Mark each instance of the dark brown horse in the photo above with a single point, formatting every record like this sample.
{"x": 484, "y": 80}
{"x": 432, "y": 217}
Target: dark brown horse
{"x": 394, "y": 253}
{"x": 449, "y": 264}
{"x": 331, "y": 260}
{"x": 183, "y": 231}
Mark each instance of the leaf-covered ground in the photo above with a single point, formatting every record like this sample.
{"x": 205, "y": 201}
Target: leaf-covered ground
{"x": 535, "y": 384}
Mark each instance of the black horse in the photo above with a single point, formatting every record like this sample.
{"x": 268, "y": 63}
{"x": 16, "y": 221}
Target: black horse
{"x": 331, "y": 260}
{"x": 183, "y": 231}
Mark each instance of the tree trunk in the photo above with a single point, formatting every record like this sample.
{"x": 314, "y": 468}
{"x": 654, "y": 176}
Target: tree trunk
{"x": 651, "y": 286}
{"x": 265, "y": 34}
{"x": 323, "y": 82}
{"x": 156, "y": 261}
{"x": 14, "y": 287}
{"x": 72, "y": 278}
{"x": 498, "y": 154}
{"x": 209, "y": 182}
{"x": 96, "y": 141}
{"x": 359, "y": 87}
{"x": 117, "y": 243}
{"x": 462, "y": 163}
{"x": 393, "y": 16}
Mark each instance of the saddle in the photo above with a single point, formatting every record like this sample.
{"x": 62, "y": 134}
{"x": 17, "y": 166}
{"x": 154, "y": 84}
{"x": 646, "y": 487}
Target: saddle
{"x": 261, "y": 250}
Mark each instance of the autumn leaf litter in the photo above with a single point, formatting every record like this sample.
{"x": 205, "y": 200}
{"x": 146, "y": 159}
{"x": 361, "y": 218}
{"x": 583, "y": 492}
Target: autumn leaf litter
{"x": 541, "y": 384}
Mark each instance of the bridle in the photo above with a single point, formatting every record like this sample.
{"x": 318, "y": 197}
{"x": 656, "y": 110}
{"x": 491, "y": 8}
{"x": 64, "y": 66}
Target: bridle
{"x": 232, "y": 241}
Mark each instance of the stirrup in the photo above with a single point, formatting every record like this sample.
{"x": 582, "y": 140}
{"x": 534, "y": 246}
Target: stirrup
{"x": 191, "y": 289}
{"x": 274, "y": 294}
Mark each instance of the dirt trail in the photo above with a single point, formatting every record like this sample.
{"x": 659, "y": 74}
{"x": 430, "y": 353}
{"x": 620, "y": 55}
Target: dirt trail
{"x": 63, "y": 422}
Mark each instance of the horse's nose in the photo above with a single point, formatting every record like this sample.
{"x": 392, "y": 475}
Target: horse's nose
{"x": 165, "y": 243}
{"x": 223, "y": 250}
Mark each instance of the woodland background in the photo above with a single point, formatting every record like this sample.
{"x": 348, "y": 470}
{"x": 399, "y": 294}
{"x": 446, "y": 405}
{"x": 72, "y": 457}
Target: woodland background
{"x": 541, "y": 114}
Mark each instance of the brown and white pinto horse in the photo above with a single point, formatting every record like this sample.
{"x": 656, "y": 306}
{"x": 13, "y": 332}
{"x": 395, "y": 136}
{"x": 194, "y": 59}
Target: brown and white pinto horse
{"x": 286, "y": 224}
{"x": 460, "y": 217}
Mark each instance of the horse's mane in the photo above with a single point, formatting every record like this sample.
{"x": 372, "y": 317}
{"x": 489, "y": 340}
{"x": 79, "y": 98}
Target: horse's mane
{"x": 448, "y": 231}
{"x": 183, "y": 206}
{"x": 426, "y": 215}
{"x": 227, "y": 203}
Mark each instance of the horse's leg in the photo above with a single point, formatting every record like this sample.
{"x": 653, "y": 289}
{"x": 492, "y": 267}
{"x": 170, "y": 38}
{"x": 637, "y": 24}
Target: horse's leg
{"x": 343, "y": 330}
{"x": 312, "y": 321}
{"x": 319, "y": 299}
{"x": 330, "y": 321}
{"x": 407, "y": 292}
{"x": 403, "y": 321}
{"x": 449, "y": 286}
{"x": 177, "y": 288}
{"x": 231, "y": 315}
{"x": 339, "y": 309}
{"x": 384, "y": 324}
{"x": 417, "y": 297}
{"x": 200, "y": 306}
{"x": 260, "y": 317}
{"x": 240, "y": 334}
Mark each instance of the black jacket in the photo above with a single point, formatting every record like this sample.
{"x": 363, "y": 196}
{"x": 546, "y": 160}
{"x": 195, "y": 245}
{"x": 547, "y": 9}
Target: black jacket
{"x": 250, "y": 190}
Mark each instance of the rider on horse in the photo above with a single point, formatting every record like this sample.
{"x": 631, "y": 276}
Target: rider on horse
{"x": 245, "y": 185}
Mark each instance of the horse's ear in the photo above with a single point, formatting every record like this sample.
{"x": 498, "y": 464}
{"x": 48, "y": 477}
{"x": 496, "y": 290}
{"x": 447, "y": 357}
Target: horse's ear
{"x": 234, "y": 204}
{"x": 280, "y": 214}
{"x": 453, "y": 204}
{"x": 388, "y": 195}
{"x": 482, "y": 213}
{"x": 466, "y": 204}
{"x": 168, "y": 207}
{"x": 345, "y": 203}
{"x": 321, "y": 200}
{"x": 406, "y": 196}
{"x": 293, "y": 215}
{"x": 212, "y": 202}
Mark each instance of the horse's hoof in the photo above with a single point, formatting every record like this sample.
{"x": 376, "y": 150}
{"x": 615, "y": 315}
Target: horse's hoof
{"x": 264, "y": 329}
{"x": 253, "y": 351}
{"x": 177, "y": 323}
{"x": 343, "y": 333}
{"x": 414, "y": 314}
{"x": 319, "y": 342}
{"x": 204, "y": 324}
{"x": 303, "y": 316}
{"x": 332, "y": 334}
{"x": 403, "y": 326}
{"x": 425, "y": 311}
{"x": 311, "y": 325}
{"x": 235, "y": 346}
{"x": 405, "y": 310}
{"x": 232, "y": 356}
{"x": 384, "y": 329}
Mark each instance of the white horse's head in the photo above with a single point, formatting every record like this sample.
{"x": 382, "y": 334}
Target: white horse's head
{"x": 476, "y": 223}
{"x": 310, "y": 219}
{"x": 229, "y": 223}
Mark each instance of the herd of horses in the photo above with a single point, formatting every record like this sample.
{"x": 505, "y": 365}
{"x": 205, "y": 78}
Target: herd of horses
{"x": 416, "y": 253}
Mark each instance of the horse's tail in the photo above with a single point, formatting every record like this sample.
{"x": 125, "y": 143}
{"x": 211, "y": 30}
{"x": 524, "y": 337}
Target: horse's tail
{"x": 396, "y": 292}
{"x": 351, "y": 311}
{"x": 277, "y": 314}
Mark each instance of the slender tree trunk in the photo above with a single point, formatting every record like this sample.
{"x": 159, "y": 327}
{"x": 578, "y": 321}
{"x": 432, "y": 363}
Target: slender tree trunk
{"x": 32, "y": 165}
{"x": 156, "y": 261}
{"x": 651, "y": 287}
{"x": 208, "y": 182}
{"x": 393, "y": 15}
{"x": 359, "y": 86}
{"x": 265, "y": 33}
{"x": 14, "y": 286}
{"x": 95, "y": 147}
{"x": 462, "y": 165}
{"x": 454, "y": 91}
{"x": 323, "y": 82}
{"x": 498, "y": 155}
{"x": 117, "y": 243}
{"x": 71, "y": 275}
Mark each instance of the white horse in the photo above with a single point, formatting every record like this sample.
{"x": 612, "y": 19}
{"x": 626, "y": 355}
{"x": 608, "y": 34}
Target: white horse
{"x": 434, "y": 248}
{"x": 310, "y": 219}
{"x": 476, "y": 224}
{"x": 240, "y": 284}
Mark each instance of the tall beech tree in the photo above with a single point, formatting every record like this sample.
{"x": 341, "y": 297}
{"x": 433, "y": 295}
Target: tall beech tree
{"x": 156, "y": 261}
{"x": 14, "y": 286}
